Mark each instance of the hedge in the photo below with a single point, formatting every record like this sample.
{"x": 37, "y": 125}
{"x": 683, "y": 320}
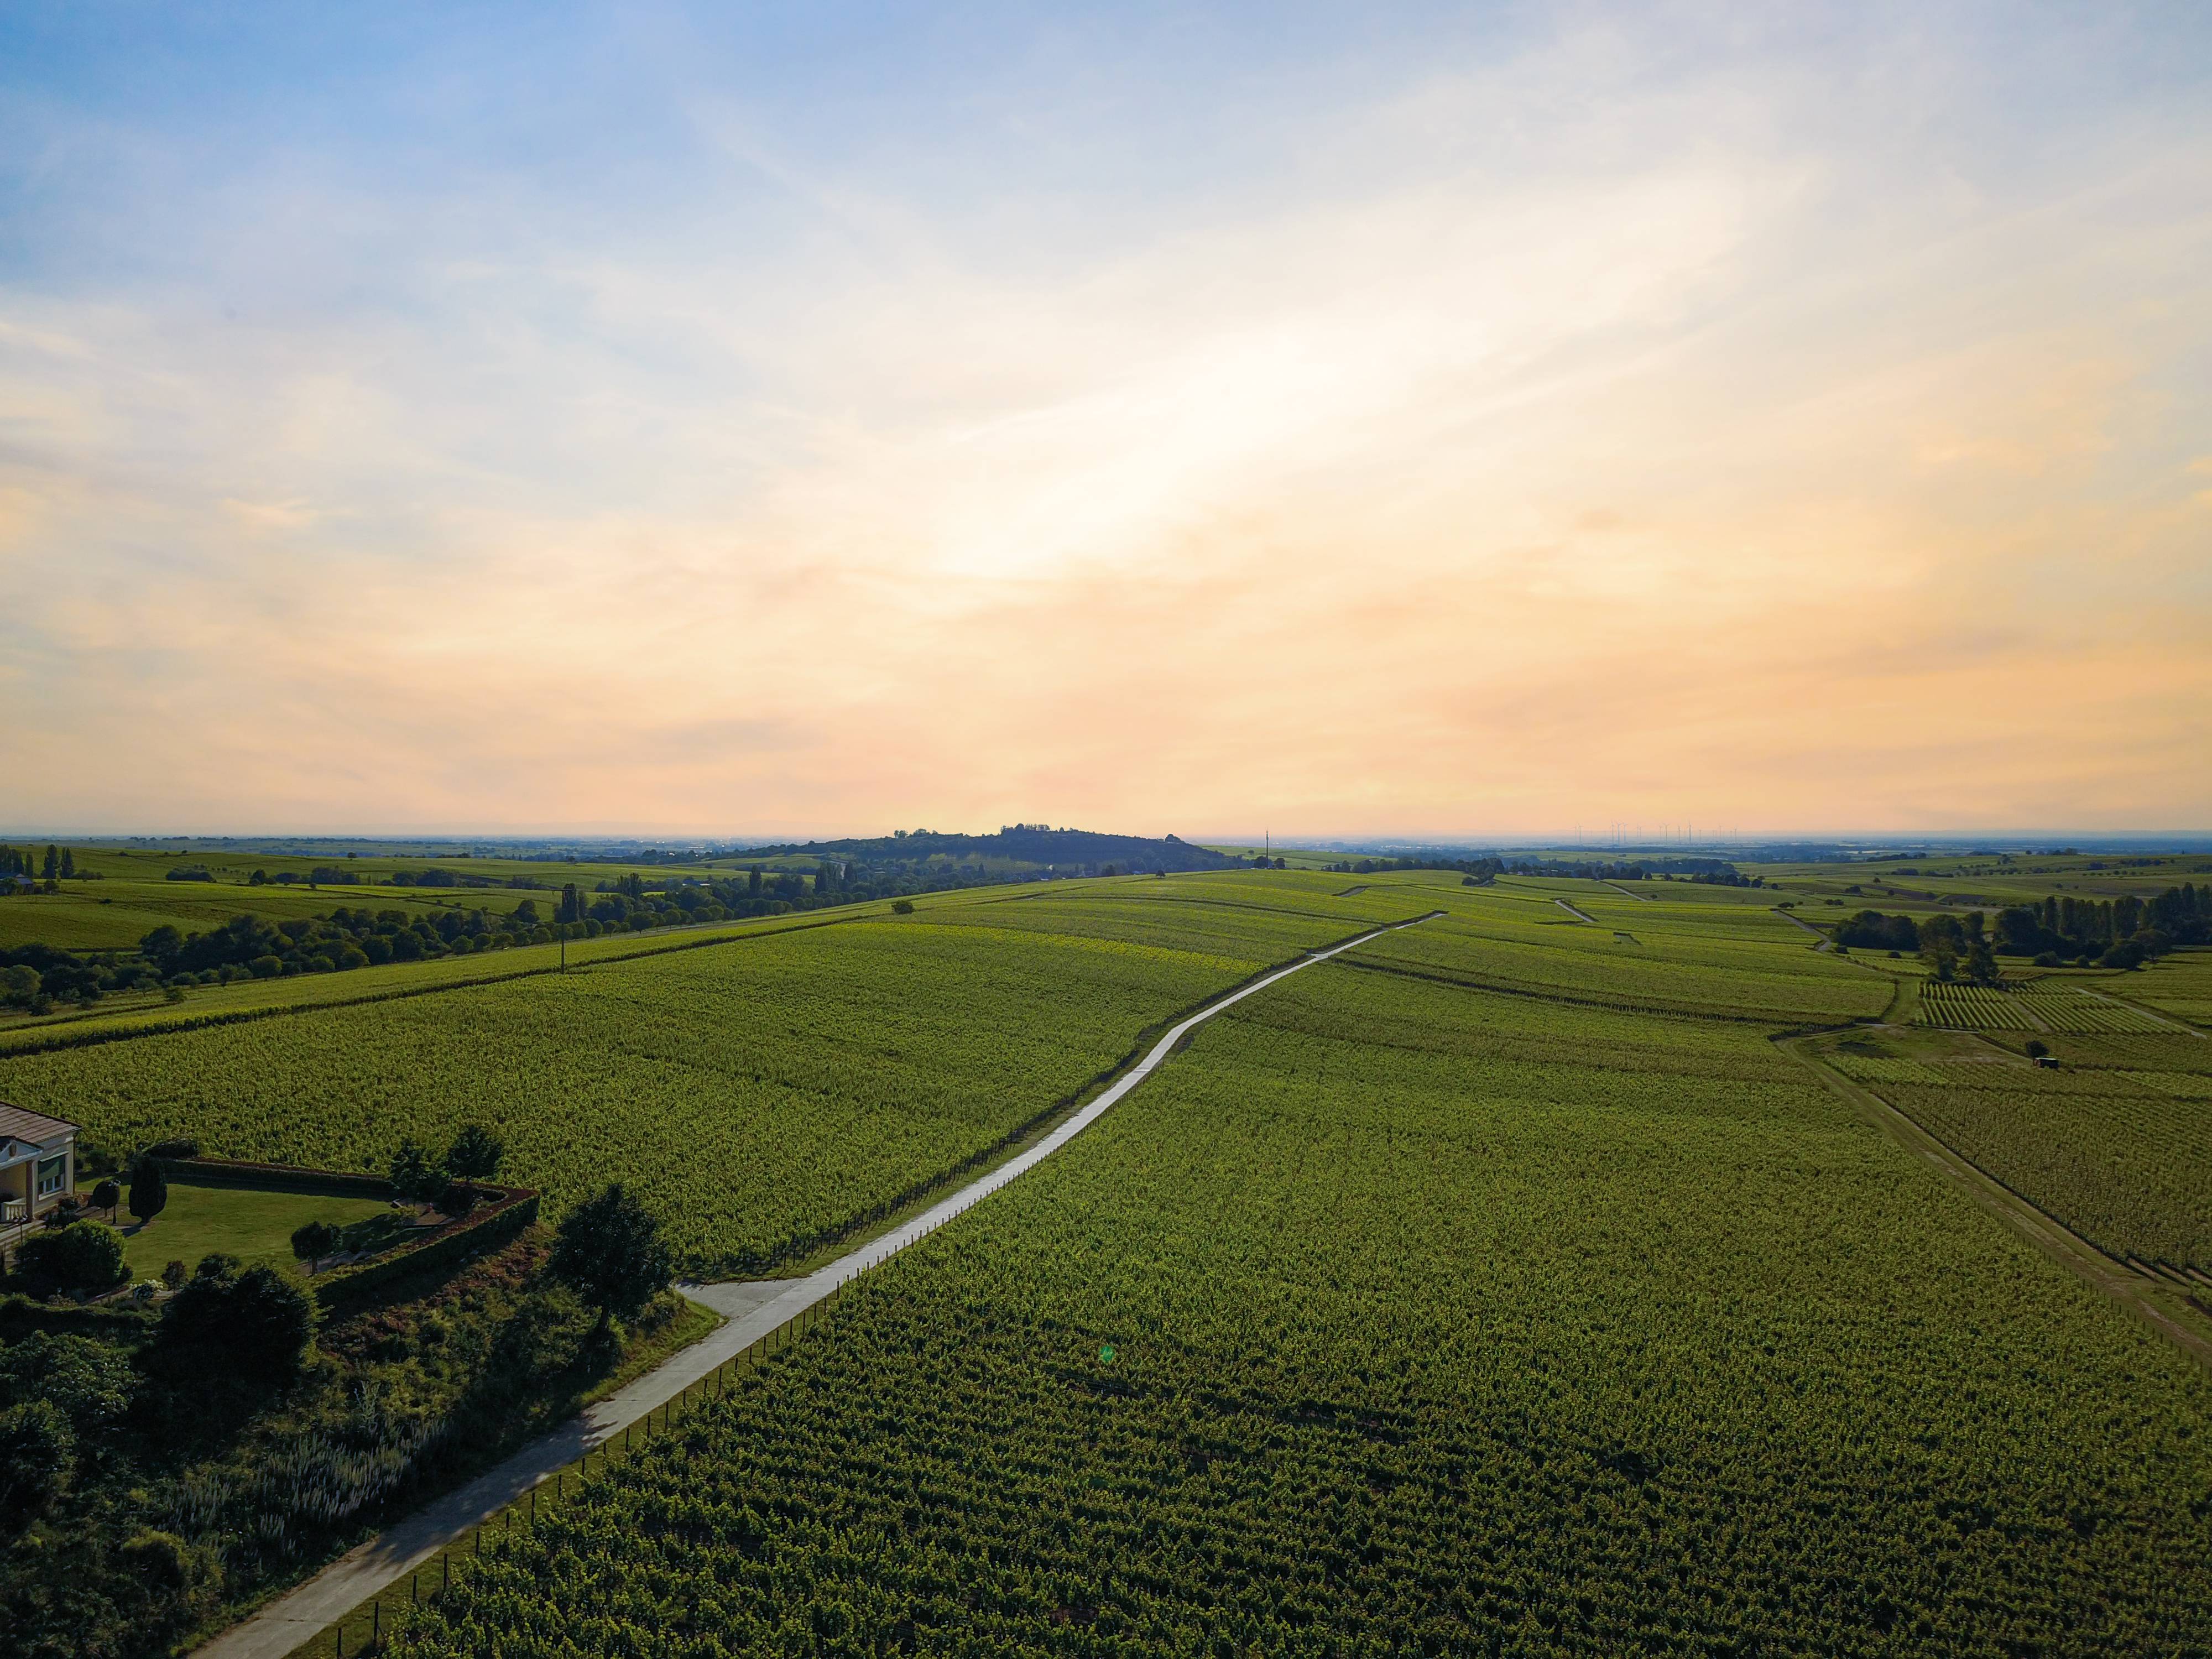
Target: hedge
{"x": 20, "y": 1315}
{"x": 273, "y": 1177}
{"x": 493, "y": 1225}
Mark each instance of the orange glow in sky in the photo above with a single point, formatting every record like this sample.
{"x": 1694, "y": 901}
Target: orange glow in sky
{"x": 1455, "y": 429}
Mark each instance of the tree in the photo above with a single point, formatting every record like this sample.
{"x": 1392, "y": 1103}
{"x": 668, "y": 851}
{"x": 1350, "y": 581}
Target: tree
{"x": 475, "y": 1153}
{"x": 415, "y": 1178}
{"x": 610, "y": 1251}
{"x": 150, "y": 1189}
{"x": 68, "y": 862}
{"x": 571, "y": 904}
{"x": 84, "y": 1256}
{"x": 52, "y": 869}
{"x": 107, "y": 1194}
{"x": 258, "y": 1320}
{"x": 2036, "y": 1047}
{"x": 314, "y": 1241}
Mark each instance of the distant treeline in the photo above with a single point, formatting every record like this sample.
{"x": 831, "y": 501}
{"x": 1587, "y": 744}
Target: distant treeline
{"x": 1481, "y": 869}
{"x": 2121, "y": 932}
{"x": 1711, "y": 872}
{"x": 924, "y": 856}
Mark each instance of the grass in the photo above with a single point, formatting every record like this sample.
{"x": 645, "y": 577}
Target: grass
{"x": 253, "y": 1226}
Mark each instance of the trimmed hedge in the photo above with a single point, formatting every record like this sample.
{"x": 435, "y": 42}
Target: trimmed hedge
{"x": 20, "y": 1315}
{"x": 489, "y": 1227}
{"x": 273, "y": 1178}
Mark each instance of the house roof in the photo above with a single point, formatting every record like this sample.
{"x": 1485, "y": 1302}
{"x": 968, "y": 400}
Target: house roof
{"x": 19, "y": 1123}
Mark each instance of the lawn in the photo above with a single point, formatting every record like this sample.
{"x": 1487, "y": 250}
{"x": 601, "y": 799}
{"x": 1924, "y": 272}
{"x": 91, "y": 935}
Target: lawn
{"x": 253, "y": 1226}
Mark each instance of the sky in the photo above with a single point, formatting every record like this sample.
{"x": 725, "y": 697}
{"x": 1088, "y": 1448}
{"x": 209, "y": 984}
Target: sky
{"x": 807, "y": 419}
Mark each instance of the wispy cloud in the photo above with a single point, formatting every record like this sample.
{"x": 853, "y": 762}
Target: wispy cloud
{"x": 1760, "y": 425}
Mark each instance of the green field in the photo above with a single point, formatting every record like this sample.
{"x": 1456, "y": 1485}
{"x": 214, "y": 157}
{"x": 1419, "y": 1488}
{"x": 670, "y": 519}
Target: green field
{"x": 1496, "y": 1287}
{"x": 764, "y": 1094}
{"x": 1403, "y": 1315}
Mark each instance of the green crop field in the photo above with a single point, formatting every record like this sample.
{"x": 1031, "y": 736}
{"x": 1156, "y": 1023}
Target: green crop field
{"x": 762, "y": 1094}
{"x": 1718, "y": 959}
{"x": 1977, "y": 1008}
{"x": 2117, "y": 1144}
{"x": 1399, "y": 1315}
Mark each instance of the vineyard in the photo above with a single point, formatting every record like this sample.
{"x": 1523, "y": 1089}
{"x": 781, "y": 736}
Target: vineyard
{"x": 1718, "y": 961}
{"x": 1394, "y": 1317}
{"x": 2062, "y": 1007}
{"x": 2122, "y": 1155}
{"x": 1977, "y": 1008}
{"x": 763, "y": 1094}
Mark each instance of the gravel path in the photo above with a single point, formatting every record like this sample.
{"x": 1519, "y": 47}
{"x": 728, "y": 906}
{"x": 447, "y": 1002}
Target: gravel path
{"x": 754, "y": 1310}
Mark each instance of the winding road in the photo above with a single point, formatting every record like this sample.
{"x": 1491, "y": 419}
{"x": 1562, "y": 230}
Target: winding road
{"x": 754, "y": 1310}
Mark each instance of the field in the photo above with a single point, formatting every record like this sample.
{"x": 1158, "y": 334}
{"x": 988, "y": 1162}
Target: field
{"x": 114, "y": 915}
{"x": 1977, "y": 1008}
{"x": 2119, "y": 1150}
{"x": 764, "y": 1094}
{"x": 1398, "y": 1316}
{"x": 1719, "y": 958}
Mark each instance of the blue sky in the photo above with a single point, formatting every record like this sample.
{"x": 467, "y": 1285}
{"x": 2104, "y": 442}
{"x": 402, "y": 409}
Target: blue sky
{"x": 820, "y": 417}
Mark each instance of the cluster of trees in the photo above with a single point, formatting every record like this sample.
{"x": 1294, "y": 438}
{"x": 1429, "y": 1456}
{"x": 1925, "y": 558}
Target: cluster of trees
{"x": 2121, "y": 932}
{"x": 1953, "y": 946}
{"x": 448, "y": 1182}
{"x": 58, "y": 866}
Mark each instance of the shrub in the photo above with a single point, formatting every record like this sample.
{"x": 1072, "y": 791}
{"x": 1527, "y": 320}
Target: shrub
{"x": 258, "y": 1320}
{"x": 2036, "y": 1047}
{"x": 161, "y": 1561}
{"x": 85, "y": 1256}
{"x": 174, "y": 1274}
{"x": 457, "y": 1199}
{"x": 87, "y": 1381}
{"x": 36, "y": 1451}
{"x": 107, "y": 1194}
{"x": 179, "y": 1147}
{"x": 150, "y": 1189}
{"x": 902, "y": 906}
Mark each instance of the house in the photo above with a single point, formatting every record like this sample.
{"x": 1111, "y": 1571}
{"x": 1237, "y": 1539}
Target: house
{"x": 38, "y": 1167}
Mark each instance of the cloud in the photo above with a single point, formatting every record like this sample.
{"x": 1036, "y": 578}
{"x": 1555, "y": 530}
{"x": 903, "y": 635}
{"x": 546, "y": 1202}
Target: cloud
{"x": 1582, "y": 433}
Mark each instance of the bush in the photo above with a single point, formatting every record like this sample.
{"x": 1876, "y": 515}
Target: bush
{"x": 258, "y": 1320}
{"x": 84, "y": 1256}
{"x": 174, "y": 1274}
{"x": 107, "y": 1194}
{"x": 2036, "y": 1047}
{"x": 180, "y": 1146}
{"x": 36, "y": 1451}
{"x": 457, "y": 1198}
{"x": 150, "y": 1189}
{"x": 902, "y": 906}
{"x": 87, "y": 1381}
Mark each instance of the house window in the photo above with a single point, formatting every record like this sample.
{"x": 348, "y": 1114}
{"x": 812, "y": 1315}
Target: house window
{"x": 53, "y": 1174}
